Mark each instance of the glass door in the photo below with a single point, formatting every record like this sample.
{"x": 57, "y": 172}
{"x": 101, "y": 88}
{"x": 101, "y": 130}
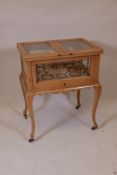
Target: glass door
{"x": 62, "y": 70}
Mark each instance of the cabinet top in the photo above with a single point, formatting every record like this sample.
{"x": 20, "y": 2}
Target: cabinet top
{"x": 54, "y": 49}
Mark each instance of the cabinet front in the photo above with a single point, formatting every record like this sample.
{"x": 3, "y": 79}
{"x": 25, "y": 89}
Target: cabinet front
{"x": 64, "y": 74}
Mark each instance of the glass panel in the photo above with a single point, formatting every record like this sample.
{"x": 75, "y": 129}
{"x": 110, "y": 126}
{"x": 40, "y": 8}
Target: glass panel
{"x": 74, "y": 45}
{"x": 38, "y": 48}
{"x": 62, "y": 70}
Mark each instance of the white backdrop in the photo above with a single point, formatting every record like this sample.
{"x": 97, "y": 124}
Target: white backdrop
{"x": 29, "y": 20}
{"x": 95, "y": 20}
{"x": 51, "y": 19}
{"x": 64, "y": 142}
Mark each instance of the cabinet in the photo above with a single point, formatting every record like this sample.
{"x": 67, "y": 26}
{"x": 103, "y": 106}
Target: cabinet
{"x": 59, "y": 66}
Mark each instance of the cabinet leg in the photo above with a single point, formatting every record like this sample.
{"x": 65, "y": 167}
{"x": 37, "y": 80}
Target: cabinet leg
{"x": 97, "y": 93}
{"x": 29, "y": 100}
{"x": 78, "y": 99}
{"x": 26, "y": 108}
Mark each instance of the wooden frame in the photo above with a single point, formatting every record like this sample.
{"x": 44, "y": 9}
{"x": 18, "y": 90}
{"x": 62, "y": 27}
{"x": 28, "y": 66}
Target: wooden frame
{"x": 31, "y": 87}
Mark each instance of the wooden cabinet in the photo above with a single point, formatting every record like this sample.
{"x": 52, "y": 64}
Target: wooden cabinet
{"x": 58, "y": 66}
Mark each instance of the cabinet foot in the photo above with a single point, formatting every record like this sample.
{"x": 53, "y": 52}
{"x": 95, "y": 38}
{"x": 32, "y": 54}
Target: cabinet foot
{"x": 78, "y": 106}
{"x": 94, "y": 127}
{"x": 25, "y": 114}
{"x": 31, "y": 140}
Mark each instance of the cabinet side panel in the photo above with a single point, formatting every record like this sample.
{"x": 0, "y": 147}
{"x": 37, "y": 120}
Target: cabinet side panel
{"x": 27, "y": 69}
{"x": 96, "y": 71}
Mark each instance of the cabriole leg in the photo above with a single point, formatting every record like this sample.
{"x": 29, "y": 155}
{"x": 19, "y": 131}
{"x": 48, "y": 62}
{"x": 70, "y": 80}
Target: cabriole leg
{"x": 78, "y": 99}
{"x": 26, "y": 108}
{"x": 97, "y": 93}
{"x": 29, "y": 100}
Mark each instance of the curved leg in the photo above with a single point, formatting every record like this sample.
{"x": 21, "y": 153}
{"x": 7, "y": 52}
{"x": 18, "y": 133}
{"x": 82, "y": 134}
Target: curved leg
{"x": 29, "y": 100}
{"x": 97, "y": 93}
{"x": 78, "y": 99}
{"x": 26, "y": 108}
